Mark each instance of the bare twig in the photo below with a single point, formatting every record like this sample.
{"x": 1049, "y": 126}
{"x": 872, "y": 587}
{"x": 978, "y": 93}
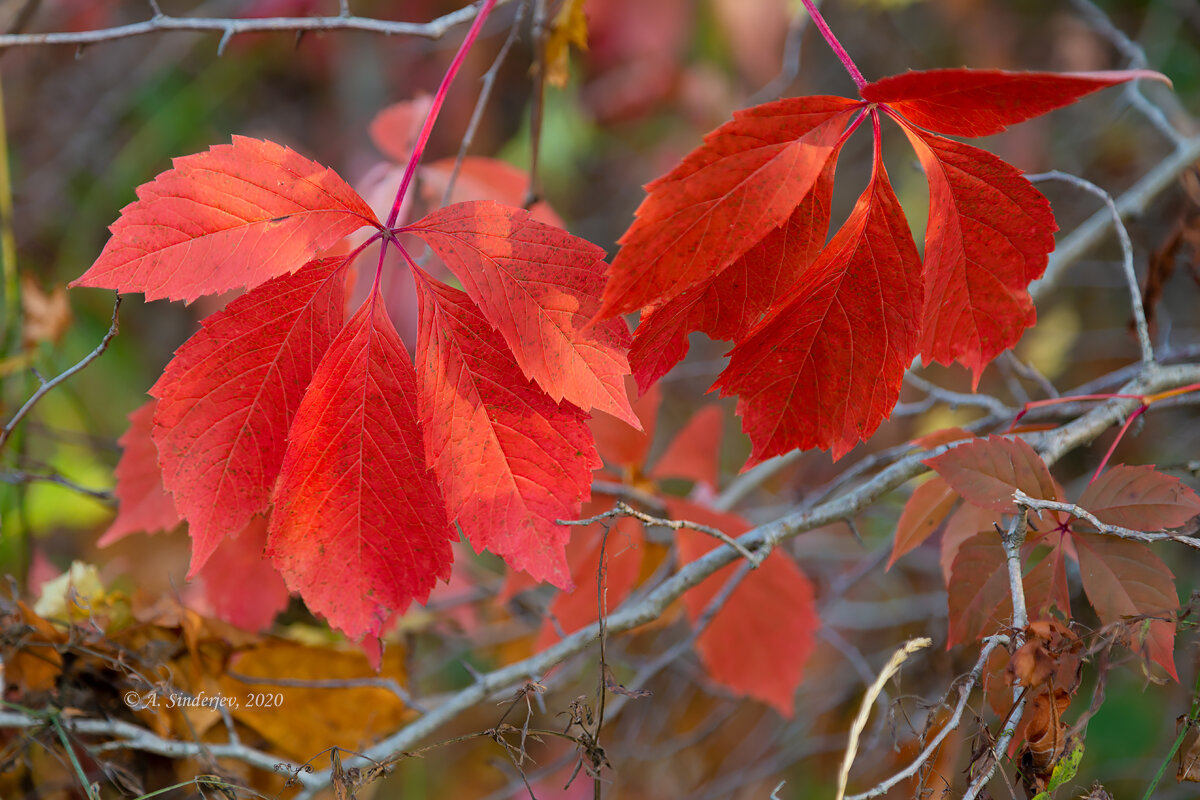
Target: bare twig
{"x": 47, "y": 386}
{"x": 1131, "y": 203}
{"x": 623, "y": 510}
{"x": 230, "y": 27}
{"x": 1101, "y": 527}
{"x": 1135, "y": 292}
{"x": 964, "y": 693}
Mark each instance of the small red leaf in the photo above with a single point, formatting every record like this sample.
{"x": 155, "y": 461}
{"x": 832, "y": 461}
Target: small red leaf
{"x": 227, "y": 399}
{"x": 1125, "y": 579}
{"x": 359, "y": 527}
{"x": 980, "y": 102}
{"x": 925, "y": 510}
{"x": 824, "y": 370}
{"x": 989, "y": 235}
{"x": 144, "y": 504}
{"x": 743, "y": 182}
{"x": 979, "y": 597}
{"x": 757, "y": 642}
{"x": 728, "y": 304}
{"x": 695, "y": 452}
{"x": 1140, "y": 498}
{"x": 234, "y": 216}
{"x": 509, "y": 459}
{"x": 539, "y": 286}
{"x": 986, "y": 472}
{"x": 242, "y": 587}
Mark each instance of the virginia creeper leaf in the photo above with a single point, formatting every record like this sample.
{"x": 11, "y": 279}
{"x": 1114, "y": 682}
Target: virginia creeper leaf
{"x": 926, "y": 509}
{"x": 241, "y": 585}
{"x": 728, "y": 304}
{"x": 1046, "y": 585}
{"x": 987, "y": 471}
{"x": 621, "y": 446}
{"x": 989, "y": 235}
{"x": 227, "y": 399}
{"x": 743, "y": 182}
{"x": 143, "y": 503}
{"x": 758, "y": 641}
{"x": 359, "y": 527}
{"x": 236, "y": 215}
{"x": 539, "y": 286}
{"x": 979, "y": 598}
{"x": 1123, "y": 578}
{"x": 1140, "y": 498}
{"x": 980, "y": 102}
{"x": 824, "y": 370}
{"x": 510, "y": 460}
{"x": 695, "y": 452}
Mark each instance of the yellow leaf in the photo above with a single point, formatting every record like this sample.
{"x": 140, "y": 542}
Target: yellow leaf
{"x": 569, "y": 27}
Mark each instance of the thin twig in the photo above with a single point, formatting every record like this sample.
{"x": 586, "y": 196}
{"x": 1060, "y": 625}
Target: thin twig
{"x": 964, "y": 693}
{"x": 1101, "y": 527}
{"x": 623, "y": 510}
{"x": 53, "y": 382}
{"x": 488, "y": 81}
{"x": 230, "y": 27}
{"x": 1135, "y": 292}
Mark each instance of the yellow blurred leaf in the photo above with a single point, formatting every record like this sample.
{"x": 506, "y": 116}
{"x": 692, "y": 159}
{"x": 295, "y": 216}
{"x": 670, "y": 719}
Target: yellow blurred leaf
{"x": 46, "y": 316}
{"x": 569, "y": 27}
{"x": 338, "y": 706}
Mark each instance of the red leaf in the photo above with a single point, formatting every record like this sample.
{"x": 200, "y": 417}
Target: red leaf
{"x": 227, "y": 399}
{"x": 925, "y": 510}
{"x": 728, "y": 304}
{"x": 394, "y": 130}
{"x": 824, "y": 370}
{"x": 359, "y": 527}
{"x": 1125, "y": 579}
{"x": 143, "y": 503}
{"x": 1046, "y": 585}
{"x": 234, "y": 216}
{"x": 539, "y": 286}
{"x": 759, "y": 640}
{"x": 964, "y": 523}
{"x": 1140, "y": 498}
{"x": 980, "y": 102}
{"x": 743, "y": 182}
{"x": 989, "y": 235}
{"x": 509, "y": 459}
{"x": 622, "y": 447}
{"x": 695, "y": 452}
{"x": 979, "y": 598}
{"x": 986, "y": 472}
{"x": 242, "y": 587}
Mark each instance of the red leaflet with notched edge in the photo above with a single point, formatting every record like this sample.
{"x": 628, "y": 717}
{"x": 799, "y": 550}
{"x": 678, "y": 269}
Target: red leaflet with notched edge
{"x": 980, "y": 102}
{"x": 1140, "y": 498}
{"x": 989, "y": 236}
{"x": 986, "y": 472}
{"x": 143, "y": 503}
{"x": 240, "y": 584}
{"x": 227, "y": 399}
{"x": 743, "y": 182}
{"x": 824, "y": 370}
{"x": 359, "y": 527}
{"x": 730, "y": 303}
{"x": 539, "y": 286}
{"x": 510, "y": 461}
{"x": 759, "y": 640}
{"x": 234, "y": 216}
{"x": 1125, "y": 579}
